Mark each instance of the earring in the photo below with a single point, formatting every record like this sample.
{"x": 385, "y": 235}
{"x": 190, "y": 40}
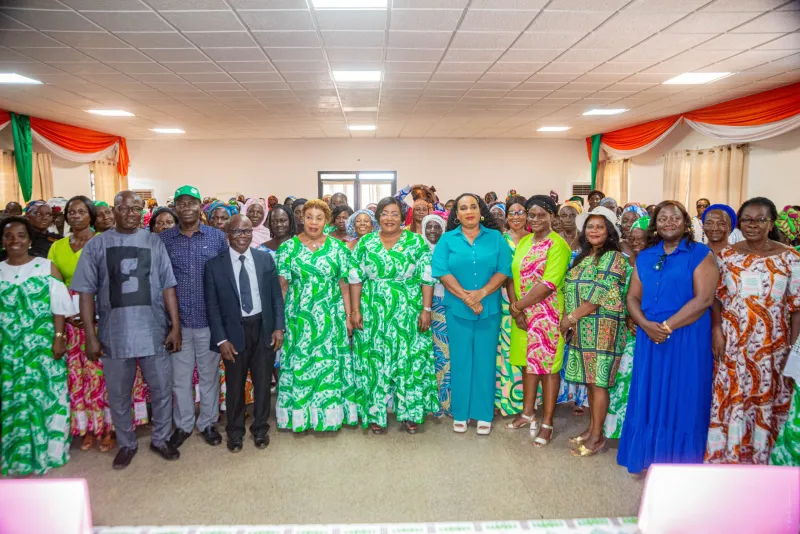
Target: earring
{"x": 482, "y": 218}
{"x": 457, "y": 221}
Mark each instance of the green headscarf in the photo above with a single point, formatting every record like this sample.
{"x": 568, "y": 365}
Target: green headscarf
{"x": 641, "y": 223}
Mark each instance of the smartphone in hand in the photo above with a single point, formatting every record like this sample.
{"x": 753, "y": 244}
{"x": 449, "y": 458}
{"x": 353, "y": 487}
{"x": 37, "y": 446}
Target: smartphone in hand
{"x": 569, "y": 335}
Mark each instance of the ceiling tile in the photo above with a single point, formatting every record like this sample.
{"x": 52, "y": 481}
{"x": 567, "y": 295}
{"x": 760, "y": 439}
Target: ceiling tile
{"x": 497, "y": 20}
{"x": 51, "y": 20}
{"x": 675, "y": 41}
{"x": 472, "y": 55}
{"x": 235, "y": 54}
{"x": 455, "y": 76}
{"x": 747, "y": 60}
{"x": 787, "y": 42}
{"x": 405, "y": 54}
{"x": 370, "y": 39}
{"x": 597, "y": 55}
{"x": 514, "y": 55}
{"x": 577, "y": 68}
{"x": 26, "y": 39}
{"x": 257, "y": 76}
{"x": 150, "y": 67}
{"x": 410, "y": 66}
{"x": 622, "y": 67}
{"x": 56, "y": 55}
{"x": 88, "y": 39}
{"x": 203, "y": 20}
{"x": 446, "y": 66}
{"x": 221, "y": 39}
{"x": 175, "y": 54}
{"x": 518, "y": 67}
{"x": 639, "y": 54}
{"x": 155, "y": 39}
{"x": 246, "y": 66}
{"x": 738, "y": 41}
{"x": 187, "y": 67}
{"x": 295, "y": 54}
{"x": 771, "y": 22}
{"x": 547, "y": 40}
{"x": 414, "y": 39}
{"x": 578, "y": 5}
{"x": 665, "y": 6}
{"x": 349, "y": 19}
{"x": 425, "y": 19}
{"x": 569, "y": 21}
{"x": 9, "y": 56}
{"x": 508, "y": 4}
{"x": 128, "y": 21}
{"x": 482, "y": 40}
{"x": 206, "y": 77}
{"x": 744, "y": 5}
{"x": 710, "y": 22}
{"x": 120, "y": 55}
{"x": 277, "y": 20}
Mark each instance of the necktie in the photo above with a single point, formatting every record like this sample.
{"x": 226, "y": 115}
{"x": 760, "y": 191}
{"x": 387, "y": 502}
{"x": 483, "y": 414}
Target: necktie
{"x": 244, "y": 287}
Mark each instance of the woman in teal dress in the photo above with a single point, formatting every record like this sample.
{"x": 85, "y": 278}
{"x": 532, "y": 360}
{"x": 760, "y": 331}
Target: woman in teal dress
{"x": 34, "y": 303}
{"x": 315, "y": 388}
{"x": 391, "y": 292}
{"x": 508, "y": 392}
{"x": 594, "y": 319}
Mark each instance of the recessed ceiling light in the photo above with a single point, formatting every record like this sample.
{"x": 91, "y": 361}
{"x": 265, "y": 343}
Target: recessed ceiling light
{"x": 615, "y": 111}
{"x": 553, "y": 129}
{"x": 110, "y": 112}
{"x": 362, "y": 127}
{"x": 10, "y": 77}
{"x": 695, "y": 78}
{"x": 167, "y": 130}
{"x": 349, "y": 4}
{"x": 366, "y": 109}
{"x": 357, "y": 75}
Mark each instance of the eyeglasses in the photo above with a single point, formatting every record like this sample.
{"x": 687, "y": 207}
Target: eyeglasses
{"x": 660, "y": 263}
{"x": 516, "y": 213}
{"x": 127, "y": 210}
{"x": 759, "y": 221}
{"x": 236, "y": 232}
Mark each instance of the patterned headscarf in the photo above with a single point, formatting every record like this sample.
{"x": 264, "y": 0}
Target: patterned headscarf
{"x": 434, "y": 218}
{"x": 152, "y": 203}
{"x": 410, "y": 211}
{"x": 788, "y": 223}
{"x": 271, "y": 201}
{"x": 572, "y": 204}
{"x": 638, "y": 210}
{"x": 641, "y": 223}
{"x": 351, "y": 222}
{"x": 33, "y": 204}
{"x": 499, "y": 205}
{"x": 231, "y": 209}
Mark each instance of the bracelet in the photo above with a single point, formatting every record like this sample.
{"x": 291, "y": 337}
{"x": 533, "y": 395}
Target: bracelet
{"x": 427, "y": 309}
{"x": 665, "y": 325}
{"x": 572, "y": 318}
{"x": 59, "y": 335}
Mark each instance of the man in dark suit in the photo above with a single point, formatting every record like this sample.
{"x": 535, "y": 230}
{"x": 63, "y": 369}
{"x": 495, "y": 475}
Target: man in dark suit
{"x": 245, "y": 314}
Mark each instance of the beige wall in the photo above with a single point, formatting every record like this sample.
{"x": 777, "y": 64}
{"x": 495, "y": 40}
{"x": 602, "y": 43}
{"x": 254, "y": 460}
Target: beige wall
{"x": 289, "y": 167}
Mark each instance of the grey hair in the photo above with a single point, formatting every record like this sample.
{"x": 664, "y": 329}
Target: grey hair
{"x": 118, "y": 196}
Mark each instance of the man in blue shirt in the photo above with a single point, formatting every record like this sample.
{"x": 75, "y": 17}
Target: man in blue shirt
{"x": 190, "y": 245}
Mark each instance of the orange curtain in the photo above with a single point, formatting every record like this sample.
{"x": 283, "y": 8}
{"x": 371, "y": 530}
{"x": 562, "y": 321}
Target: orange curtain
{"x": 639, "y": 135}
{"x": 81, "y": 140}
{"x": 753, "y": 110}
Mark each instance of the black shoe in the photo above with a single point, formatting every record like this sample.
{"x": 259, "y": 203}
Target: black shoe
{"x": 123, "y": 457}
{"x": 211, "y": 436}
{"x": 178, "y": 437}
{"x": 261, "y": 441}
{"x": 235, "y": 445}
{"x": 167, "y": 451}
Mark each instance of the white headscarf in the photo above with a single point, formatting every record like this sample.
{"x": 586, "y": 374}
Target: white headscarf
{"x": 434, "y": 219}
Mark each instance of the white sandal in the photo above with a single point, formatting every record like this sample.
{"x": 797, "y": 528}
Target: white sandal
{"x": 459, "y": 426}
{"x": 484, "y": 428}
{"x": 526, "y": 420}
{"x": 541, "y": 442}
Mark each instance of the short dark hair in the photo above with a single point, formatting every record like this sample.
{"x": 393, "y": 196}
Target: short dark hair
{"x": 596, "y": 192}
{"x": 699, "y": 199}
{"x": 158, "y": 212}
{"x": 339, "y": 209}
{"x": 385, "y": 201}
{"x": 488, "y": 221}
{"x": 773, "y": 213}
{"x": 16, "y": 219}
{"x": 654, "y": 239}
{"x": 288, "y": 212}
{"x": 516, "y": 199}
{"x": 89, "y": 206}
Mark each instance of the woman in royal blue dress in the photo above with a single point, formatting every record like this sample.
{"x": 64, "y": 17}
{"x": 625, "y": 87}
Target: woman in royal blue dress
{"x": 672, "y": 289}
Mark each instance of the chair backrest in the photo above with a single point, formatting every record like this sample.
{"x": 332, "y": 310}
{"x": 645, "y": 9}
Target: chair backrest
{"x": 720, "y": 499}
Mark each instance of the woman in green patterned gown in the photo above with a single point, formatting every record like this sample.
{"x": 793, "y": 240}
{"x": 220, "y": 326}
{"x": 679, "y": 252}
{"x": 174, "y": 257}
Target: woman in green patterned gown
{"x": 594, "y": 310}
{"x": 316, "y": 387}
{"x": 33, "y": 375}
{"x": 391, "y": 292}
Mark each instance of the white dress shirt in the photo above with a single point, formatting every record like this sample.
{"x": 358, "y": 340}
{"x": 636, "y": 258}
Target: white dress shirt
{"x": 250, "y": 265}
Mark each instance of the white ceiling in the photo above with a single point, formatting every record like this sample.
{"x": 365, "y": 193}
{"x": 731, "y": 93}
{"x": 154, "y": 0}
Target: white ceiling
{"x": 452, "y": 68}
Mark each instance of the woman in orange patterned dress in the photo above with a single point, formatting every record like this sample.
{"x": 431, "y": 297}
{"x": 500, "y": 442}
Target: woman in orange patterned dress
{"x": 756, "y": 315}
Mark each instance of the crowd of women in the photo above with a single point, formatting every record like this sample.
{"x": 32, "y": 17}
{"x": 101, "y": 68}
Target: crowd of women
{"x": 674, "y": 332}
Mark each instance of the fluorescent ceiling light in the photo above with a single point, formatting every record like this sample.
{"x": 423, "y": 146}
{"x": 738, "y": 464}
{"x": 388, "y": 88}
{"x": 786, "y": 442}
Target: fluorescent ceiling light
{"x": 362, "y": 127}
{"x": 167, "y": 130}
{"x": 366, "y": 109}
{"x": 553, "y": 129}
{"x": 10, "y": 77}
{"x": 695, "y": 78}
{"x": 349, "y": 4}
{"x": 616, "y": 111}
{"x": 357, "y": 75}
{"x": 110, "y": 112}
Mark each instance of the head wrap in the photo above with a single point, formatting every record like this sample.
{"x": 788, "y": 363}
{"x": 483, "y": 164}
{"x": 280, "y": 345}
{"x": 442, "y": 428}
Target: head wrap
{"x": 58, "y": 203}
{"x": 434, "y": 218}
{"x": 544, "y": 202}
{"x": 721, "y": 207}
{"x": 298, "y": 202}
{"x": 232, "y": 210}
{"x": 511, "y": 193}
{"x": 101, "y": 204}
{"x": 260, "y": 232}
{"x": 638, "y": 210}
{"x": 351, "y": 222}
{"x": 605, "y": 201}
{"x": 641, "y": 223}
{"x": 788, "y": 222}
{"x": 499, "y": 205}
{"x": 271, "y": 201}
{"x": 572, "y": 204}
{"x": 578, "y": 199}
{"x": 33, "y": 204}
{"x": 152, "y": 203}
{"x": 602, "y": 211}
{"x": 410, "y": 212}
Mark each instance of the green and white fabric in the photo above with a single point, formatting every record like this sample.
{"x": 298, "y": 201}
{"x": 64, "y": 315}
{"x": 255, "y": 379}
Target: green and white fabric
{"x": 394, "y": 360}
{"x": 313, "y": 388}
{"x": 33, "y": 385}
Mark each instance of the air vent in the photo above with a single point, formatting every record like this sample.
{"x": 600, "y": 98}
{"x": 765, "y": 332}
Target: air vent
{"x": 144, "y": 194}
{"x": 581, "y": 189}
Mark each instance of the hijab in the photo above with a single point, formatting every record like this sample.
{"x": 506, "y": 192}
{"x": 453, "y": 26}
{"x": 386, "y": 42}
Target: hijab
{"x": 351, "y": 222}
{"x": 260, "y": 232}
{"x": 434, "y": 218}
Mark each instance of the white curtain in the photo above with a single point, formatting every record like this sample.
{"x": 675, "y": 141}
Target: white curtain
{"x": 716, "y": 173}
{"x": 614, "y": 180}
{"x": 746, "y": 134}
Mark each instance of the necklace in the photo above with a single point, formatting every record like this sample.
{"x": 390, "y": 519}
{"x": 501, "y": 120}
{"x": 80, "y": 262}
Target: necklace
{"x": 313, "y": 243}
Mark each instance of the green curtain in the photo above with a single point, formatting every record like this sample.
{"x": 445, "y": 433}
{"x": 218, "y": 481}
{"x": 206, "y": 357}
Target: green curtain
{"x": 595, "y": 157}
{"x": 23, "y": 153}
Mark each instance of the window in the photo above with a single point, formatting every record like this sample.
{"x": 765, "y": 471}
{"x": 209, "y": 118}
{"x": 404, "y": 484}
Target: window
{"x": 361, "y": 188}
{"x": 91, "y": 184}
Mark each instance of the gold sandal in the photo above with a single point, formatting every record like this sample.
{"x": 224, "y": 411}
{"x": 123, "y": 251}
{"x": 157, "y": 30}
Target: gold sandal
{"x": 583, "y": 452}
{"x": 527, "y": 420}
{"x": 540, "y": 442}
{"x": 576, "y": 440}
